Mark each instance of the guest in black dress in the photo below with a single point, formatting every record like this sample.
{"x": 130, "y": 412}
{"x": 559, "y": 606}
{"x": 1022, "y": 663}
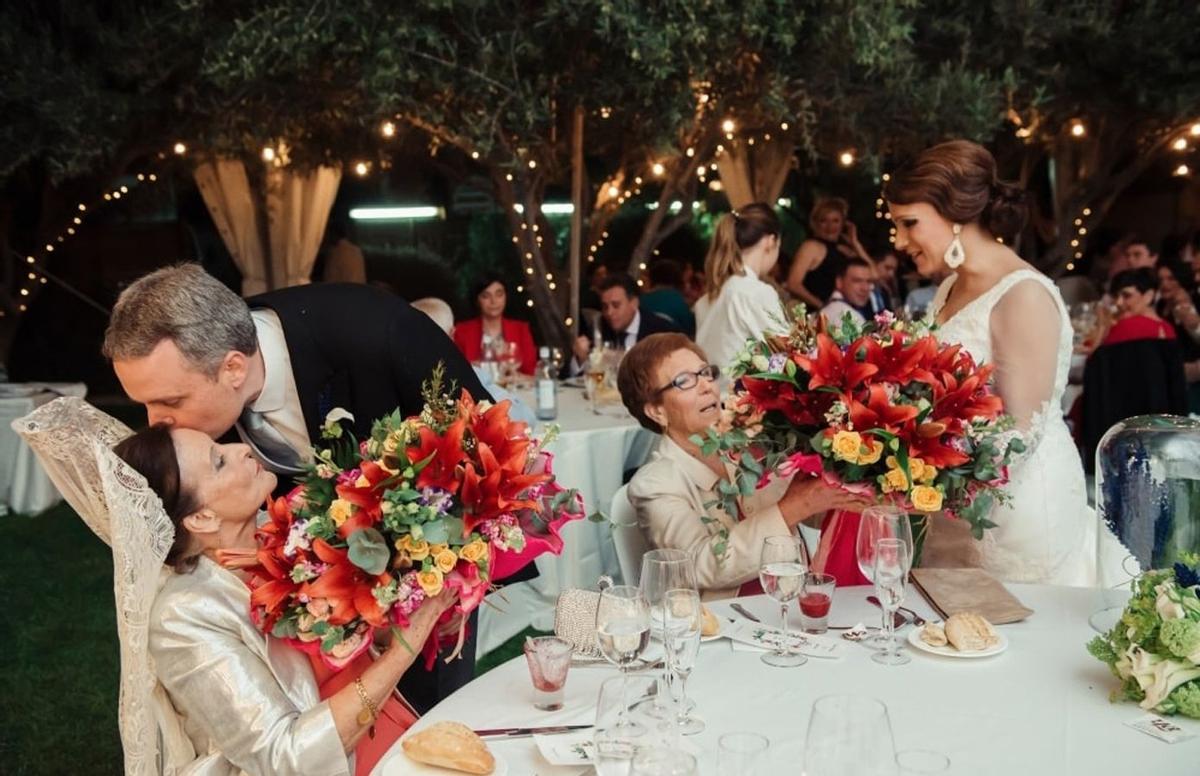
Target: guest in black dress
{"x": 818, "y": 261}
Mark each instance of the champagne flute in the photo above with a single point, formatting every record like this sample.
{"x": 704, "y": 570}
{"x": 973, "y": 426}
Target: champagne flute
{"x": 849, "y": 736}
{"x": 877, "y": 522}
{"x": 617, "y": 737}
{"x": 681, "y": 640}
{"x": 622, "y": 625}
{"x": 891, "y": 574}
{"x": 781, "y": 571}
{"x": 664, "y": 570}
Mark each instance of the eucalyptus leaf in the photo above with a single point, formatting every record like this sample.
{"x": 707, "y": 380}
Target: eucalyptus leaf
{"x": 367, "y": 549}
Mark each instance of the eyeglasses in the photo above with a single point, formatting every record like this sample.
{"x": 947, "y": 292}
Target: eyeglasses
{"x": 685, "y": 381}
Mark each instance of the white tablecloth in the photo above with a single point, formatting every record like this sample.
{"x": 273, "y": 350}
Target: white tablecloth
{"x": 24, "y": 486}
{"x": 1039, "y": 709}
{"x": 591, "y": 453}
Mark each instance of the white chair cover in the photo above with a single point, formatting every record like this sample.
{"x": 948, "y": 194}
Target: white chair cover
{"x": 628, "y": 537}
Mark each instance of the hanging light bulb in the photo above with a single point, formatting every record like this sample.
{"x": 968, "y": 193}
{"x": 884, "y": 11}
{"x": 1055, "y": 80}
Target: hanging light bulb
{"x": 268, "y": 154}
{"x": 728, "y": 126}
{"x": 1195, "y": 130}
{"x": 180, "y": 149}
{"x": 1182, "y": 170}
{"x": 1180, "y": 144}
{"x": 846, "y": 158}
{"x": 1078, "y": 129}
{"x": 388, "y": 129}
{"x": 657, "y": 169}
{"x": 361, "y": 169}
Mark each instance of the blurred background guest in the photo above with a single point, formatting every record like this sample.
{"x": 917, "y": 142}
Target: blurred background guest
{"x": 669, "y": 386}
{"x": 622, "y": 322}
{"x": 491, "y": 336}
{"x": 818, "y": 260}
{"x": 888, "y": 293}
{"x": 343, "y": 260}
{"x": 1177, "y": 306}
{"x": 665, "y": 295}
{"x": 737, "y": 304}
{"x": 1134, "y": 292}
{"x": 851, "y": 295}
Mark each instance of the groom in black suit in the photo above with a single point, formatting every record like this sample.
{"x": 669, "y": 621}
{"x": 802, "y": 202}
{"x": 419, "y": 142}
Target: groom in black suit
{"x": 198, "y": 356}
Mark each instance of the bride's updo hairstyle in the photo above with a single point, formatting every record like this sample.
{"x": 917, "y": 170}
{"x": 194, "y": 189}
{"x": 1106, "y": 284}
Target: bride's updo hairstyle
{"x": 151, "y": 453}
{"x": 958, "y": 178}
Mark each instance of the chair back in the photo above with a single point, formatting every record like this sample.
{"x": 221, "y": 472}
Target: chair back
{"x": 628, "y": 537}
{"x": 1077, "y": 288}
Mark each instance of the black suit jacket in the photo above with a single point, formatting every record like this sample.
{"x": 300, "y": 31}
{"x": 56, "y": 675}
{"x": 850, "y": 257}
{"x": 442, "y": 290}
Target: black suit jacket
{"x": 368, "y": 352}
{"x": 1141, "y": 377}
{"x": 650, "y": 323}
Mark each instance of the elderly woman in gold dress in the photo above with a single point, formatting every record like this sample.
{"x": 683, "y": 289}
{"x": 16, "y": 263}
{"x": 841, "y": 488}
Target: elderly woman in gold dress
{"x": 667, "y": 383}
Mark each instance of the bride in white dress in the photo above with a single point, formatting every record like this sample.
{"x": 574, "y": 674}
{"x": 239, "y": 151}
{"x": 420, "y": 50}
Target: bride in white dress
{"x": 950, "y": 212}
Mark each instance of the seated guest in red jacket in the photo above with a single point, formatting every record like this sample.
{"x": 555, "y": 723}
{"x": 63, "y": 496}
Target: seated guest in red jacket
{"x": 491, "y": 331}
{"x": 1133, "y": 291}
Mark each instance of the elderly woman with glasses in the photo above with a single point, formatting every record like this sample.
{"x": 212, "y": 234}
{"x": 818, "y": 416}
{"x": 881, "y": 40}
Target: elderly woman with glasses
{"x": 667, "y": 383}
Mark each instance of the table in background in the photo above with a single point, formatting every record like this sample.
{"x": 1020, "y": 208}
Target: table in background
{"x": 592, "y": 453}
{"x": 1040, "y": 708}
{"x": 24, "y": 486}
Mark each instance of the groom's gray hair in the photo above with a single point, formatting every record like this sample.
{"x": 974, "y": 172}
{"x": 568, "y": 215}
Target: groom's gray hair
{"x": 186, "y": 305}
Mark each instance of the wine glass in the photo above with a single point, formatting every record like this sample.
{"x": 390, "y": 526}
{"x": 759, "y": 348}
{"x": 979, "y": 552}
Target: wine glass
{"x": 622, "y": 625}
{"x": 681, "y": 641}
{"x": 664, "y": 570}
{"x": 617, "y": 736}
{"x": 849, "y": 735}
{"x": 661, "y": 761}
{"x": 781, "y": 571}
{"x": 880, "y": 522}
{"x": 891, "y": 575}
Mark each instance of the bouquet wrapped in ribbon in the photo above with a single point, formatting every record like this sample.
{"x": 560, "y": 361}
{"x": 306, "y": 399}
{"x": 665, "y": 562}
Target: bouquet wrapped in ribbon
{"x": 457, "y": 497}
{"x": 1154, "y": 649}
{"x": 881, "y": 409}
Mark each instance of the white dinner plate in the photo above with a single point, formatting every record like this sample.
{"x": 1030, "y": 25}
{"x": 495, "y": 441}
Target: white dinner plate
{"x": 398, "y": 764}
{"x": 914, "y": 638}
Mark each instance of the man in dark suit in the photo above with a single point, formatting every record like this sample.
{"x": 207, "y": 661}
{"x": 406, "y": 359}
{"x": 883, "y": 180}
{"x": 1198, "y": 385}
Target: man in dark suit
{"x": 198, "y": 356}
{"x": 622, "y": 322}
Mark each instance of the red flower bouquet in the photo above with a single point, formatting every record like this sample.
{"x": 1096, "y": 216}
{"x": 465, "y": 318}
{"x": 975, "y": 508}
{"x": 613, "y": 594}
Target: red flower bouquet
{"x": 457, "y": 497}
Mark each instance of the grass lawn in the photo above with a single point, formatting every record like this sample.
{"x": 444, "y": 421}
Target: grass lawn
{"x": 59, "y": 713}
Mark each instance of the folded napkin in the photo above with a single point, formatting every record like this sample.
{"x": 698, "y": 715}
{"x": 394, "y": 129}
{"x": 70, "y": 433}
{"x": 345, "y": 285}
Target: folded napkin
{"x": 950, "y": 591}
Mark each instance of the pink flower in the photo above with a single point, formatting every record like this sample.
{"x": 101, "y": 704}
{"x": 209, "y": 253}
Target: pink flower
{"x": 806, "y": 463}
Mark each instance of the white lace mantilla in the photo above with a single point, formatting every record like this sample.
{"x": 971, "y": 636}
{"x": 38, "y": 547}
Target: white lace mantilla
{"x": 74, "y": 442}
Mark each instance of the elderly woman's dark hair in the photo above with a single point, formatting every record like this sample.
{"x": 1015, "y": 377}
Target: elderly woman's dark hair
{"x": 1143, "y": 279}
{"x": 152, "y": 454}
{"x": 959, "y": 180}
{"x": 481, "y": 285}
{"x": 637, "y": 375}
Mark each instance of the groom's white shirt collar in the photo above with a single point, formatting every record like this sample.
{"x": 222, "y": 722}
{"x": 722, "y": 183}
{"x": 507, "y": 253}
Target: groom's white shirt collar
{"x": 278, "y": 401}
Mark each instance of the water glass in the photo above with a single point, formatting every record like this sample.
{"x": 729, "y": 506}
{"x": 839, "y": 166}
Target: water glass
{"x": 660, "y": 761}
{"x": 815, "y": 601}
{"x": 618, "y": 736}
{"x": 882, "y": 521}
{"x": 622, "y": 624}
{"x": 849, "y": 735}
{"x": 549, "y": 659}
{"x": 921, "y": 762}
{"x": 681, "y": 642}
{"x": 740, "y": 754}
{"x": 891, "y": 577}
{"x": 781, "y": 571}
{"x": 664, "y": 570}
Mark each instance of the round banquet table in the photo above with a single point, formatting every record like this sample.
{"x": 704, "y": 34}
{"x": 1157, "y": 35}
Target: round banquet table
{"x": 24, "y": 485}
{"x": 1039, "y": 708}
{"x": 591, "y": 453}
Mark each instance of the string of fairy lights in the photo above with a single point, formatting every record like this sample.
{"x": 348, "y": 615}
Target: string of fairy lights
{"x": 611, "y": 190}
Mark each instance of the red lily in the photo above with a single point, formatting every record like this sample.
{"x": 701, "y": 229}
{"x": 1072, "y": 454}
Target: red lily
{"x": 492, "y": 490}
{"x": 879, "y": 411}
{"x": 507, "y": 439}
{"x": 346, "y": 587}
{"x": 445, "y": 454}
{"x": 367, "y": 498}
{"x": 833, "y": 367}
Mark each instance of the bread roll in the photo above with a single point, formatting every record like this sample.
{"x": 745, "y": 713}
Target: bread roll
{"x": 709, "y": 624}
{"x": 934, "y": 634}
{"x": 968, "y": 632}
{"x": 450, "y": 745}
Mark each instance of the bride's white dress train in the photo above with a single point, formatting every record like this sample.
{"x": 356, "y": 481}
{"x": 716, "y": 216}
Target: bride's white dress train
{"x": 1046, "y": 532}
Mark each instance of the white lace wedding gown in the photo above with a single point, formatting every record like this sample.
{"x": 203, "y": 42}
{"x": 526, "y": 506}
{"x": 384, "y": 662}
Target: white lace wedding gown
{"x": 1046, "y": 532}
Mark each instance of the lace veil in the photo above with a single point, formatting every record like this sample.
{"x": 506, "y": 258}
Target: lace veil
{"x": 74, "y": 442}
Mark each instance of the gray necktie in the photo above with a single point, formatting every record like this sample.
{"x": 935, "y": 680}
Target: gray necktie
{"x": 268, "y": 444}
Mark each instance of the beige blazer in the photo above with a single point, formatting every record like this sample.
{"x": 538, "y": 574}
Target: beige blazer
{"x": 669, "y": 494}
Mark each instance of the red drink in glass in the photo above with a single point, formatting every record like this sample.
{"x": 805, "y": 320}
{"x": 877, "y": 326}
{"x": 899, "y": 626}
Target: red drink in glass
{"x": 815, "y": 600}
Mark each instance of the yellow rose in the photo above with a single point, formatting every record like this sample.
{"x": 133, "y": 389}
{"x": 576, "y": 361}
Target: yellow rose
{"x": 390, "y": 443}
{"x": 340, "y": 511}
{"x": 873, "y": 455}
{"x": 430, "y": 581}
{"x": 895, "y": 479}
{"x": 473, "y": 552}
{"x": 929, "y": 474}
{"x": 916, "y": 467}
{"x": 891, "y": 462}
{"x": 419, "y": 551}
{"x": 445, "y": 560}
{"x": 926, "y": 499}
{"x": 846, "y": 446}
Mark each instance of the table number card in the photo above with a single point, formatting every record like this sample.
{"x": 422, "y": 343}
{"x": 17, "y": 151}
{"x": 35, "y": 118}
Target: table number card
{"x": 1160, "y": 728}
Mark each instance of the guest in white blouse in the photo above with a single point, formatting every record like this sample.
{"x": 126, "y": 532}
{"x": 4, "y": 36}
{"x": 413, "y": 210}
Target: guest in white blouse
{"x": 671, "y": 388}
{"x": 738, "y": 305}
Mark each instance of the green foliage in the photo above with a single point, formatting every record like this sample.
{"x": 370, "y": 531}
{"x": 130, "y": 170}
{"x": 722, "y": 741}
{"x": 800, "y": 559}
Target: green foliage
{"x": 1184, "y": 699}
{"x": 367, "y": 549}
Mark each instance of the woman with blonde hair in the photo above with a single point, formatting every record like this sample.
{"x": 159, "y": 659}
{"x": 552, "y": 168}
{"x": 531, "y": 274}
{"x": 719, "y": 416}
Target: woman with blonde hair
{"x": 737, "y": 305}
{"x": 819, "y": 259}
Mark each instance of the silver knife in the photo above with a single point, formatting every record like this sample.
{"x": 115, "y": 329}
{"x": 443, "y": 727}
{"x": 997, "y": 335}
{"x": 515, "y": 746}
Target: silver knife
{"x": 518, "y": 732}
{"x": 744, "y": 612}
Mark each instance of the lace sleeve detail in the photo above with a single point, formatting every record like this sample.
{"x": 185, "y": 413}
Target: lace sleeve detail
{"x": 1025, "y": 326}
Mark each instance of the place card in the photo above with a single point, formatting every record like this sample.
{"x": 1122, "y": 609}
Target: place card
{"x": 574, "y": 748}
{"x": 759, "y": 637}
{"x": 1160, "y": 728}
